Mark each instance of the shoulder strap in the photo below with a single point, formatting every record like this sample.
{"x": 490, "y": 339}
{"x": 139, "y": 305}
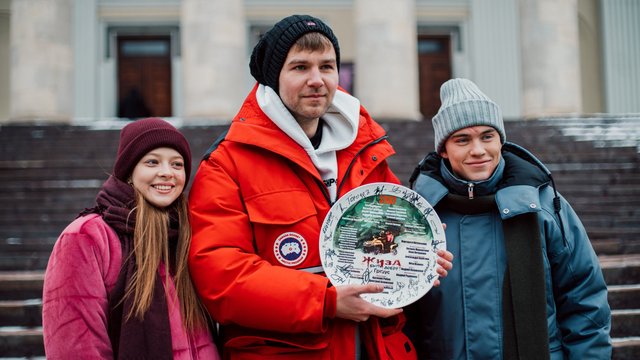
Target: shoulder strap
{"x": 215, "y": 144}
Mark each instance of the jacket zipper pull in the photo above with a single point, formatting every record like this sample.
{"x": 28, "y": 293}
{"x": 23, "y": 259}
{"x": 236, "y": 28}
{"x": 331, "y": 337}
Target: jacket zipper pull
{"x": 470, "y": 191}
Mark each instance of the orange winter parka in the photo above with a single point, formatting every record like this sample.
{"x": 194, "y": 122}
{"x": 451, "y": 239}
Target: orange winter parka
{"x": 253, "y": 197}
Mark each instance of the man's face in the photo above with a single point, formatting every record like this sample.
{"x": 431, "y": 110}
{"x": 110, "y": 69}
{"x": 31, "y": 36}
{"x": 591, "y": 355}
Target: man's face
{"x": 474, "y": 152}
{"x": 308, "y": 82}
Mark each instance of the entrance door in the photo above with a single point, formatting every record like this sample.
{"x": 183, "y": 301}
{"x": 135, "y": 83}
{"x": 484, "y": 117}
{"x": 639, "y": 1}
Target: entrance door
{"x": 144, "y": 76}
{"x": 434, "y": 57}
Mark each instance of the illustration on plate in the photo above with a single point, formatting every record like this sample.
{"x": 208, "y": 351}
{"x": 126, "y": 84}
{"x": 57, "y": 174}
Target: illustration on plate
{"x": 386, "y": 234}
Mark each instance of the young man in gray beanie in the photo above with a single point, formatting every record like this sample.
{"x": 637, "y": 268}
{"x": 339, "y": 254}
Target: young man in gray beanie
{"x": 260, "y": 196}
{"x": 529, "y": 284}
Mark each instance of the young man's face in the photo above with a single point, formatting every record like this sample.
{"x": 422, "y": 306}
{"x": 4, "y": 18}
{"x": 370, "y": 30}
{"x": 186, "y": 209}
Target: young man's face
{"x": 474, "y": 152}
{"x": 308, "y": 82}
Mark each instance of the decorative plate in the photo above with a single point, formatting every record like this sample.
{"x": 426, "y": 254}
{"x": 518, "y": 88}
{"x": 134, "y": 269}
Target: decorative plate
{"x": 386, "y": 234}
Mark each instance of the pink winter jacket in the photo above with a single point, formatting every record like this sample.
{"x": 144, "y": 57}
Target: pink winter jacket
{"x": 82, "y": 270}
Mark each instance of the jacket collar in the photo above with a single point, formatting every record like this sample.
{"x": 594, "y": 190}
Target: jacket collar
{"x": 341, "y": 120}
{"x": 460, "y": 187}
{"x": 251, "y": 126}
{"x": 516, "y": 192}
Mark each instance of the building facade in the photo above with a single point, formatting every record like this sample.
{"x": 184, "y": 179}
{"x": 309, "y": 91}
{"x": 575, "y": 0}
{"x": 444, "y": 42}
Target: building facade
{"x": 83, "y": 61}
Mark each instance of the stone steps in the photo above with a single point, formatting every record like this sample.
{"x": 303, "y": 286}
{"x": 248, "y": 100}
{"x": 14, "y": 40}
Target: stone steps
{"x": 597, "y": 221}
{"x": 24, "y": 261}
{"x": 624, "y": 297}
{"x": 16, "y": 245}
{"x": 623, "y": 175}
{"x": 621, "y": 269}
{"x": 624, "y": 234}
{"x": 50, "y": 173}
{"x": 627, "y": 323}
{"x": 18, "y": 342}
{"x": 20, "y": 312}
{"x": 626, "y": 348}
{"x": 616, "y": 246}
{"x": 26, "y": 313}
{"x": 622, "y": 274}
{"x": 21, "y": 285}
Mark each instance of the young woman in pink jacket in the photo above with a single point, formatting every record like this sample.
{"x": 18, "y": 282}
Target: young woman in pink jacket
{"x": 117, "y": 284}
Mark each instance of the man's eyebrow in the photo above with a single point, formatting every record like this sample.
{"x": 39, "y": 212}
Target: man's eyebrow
{"x": 460, "y": 135}
{"x": 482, "y": 133}
{"x": 298, "y": 61}
{"x": 329, "y": 60}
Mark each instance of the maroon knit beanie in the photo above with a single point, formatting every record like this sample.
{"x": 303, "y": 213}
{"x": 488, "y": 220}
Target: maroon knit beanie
{"x": 144, "y": 135}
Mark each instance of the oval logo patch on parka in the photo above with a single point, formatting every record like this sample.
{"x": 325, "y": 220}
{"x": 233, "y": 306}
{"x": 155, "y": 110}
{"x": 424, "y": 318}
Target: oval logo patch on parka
{"x": 290, "y": 249}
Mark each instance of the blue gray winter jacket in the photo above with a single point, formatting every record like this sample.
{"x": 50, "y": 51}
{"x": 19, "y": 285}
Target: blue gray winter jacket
{"x": 462, "y": 319}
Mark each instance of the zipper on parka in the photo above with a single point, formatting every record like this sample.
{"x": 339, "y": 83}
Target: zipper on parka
{"x": 353, "y": 161}
{"x": 470, "y": 190}
{"x": 324, "y": 189}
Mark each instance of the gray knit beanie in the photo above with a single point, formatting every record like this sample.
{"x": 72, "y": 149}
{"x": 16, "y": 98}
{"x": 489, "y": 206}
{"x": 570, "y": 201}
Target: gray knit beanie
{"x": 464, "y": 105}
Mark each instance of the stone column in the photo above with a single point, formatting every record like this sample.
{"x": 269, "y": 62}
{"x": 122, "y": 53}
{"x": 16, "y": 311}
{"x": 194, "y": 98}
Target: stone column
{"x": 5, "y": 59}
{"x": 86, "y": 60}
{"x": 214, "y": 58}
{"x": 386, "y": 60}
{"x": 550, "y": 57}
{"x": 41, "y": 61}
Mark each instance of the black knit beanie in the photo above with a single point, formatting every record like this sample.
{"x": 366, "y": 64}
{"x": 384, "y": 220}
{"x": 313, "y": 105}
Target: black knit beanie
{"x": 271, "y": 51}
{"x": 140, "y": 137}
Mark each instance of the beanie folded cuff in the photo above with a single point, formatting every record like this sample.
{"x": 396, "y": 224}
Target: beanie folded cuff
{"x": 142, "y": 136}
{"x": 465, "y": 114}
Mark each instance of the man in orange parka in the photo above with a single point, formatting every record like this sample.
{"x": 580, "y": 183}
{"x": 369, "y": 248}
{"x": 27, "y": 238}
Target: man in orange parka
{"x": 259, "y": 198}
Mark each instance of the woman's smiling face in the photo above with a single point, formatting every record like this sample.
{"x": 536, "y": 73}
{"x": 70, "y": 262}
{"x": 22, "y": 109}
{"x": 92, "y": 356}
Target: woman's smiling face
{"x": 160, "y": 176}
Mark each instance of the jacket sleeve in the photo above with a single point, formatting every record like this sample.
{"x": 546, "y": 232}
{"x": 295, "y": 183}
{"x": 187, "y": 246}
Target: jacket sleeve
{"x": 580, "y": 292}
{"x": 236, "y": 285}
{"x": 74, "y": 309}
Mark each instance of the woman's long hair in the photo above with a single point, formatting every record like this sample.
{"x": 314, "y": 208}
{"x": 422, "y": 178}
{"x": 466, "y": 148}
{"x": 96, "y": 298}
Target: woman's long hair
{"x": 150, "y": 247}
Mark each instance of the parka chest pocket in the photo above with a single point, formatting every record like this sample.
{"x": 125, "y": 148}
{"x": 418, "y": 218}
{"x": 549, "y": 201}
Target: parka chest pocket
{"x": 276, "y": 215}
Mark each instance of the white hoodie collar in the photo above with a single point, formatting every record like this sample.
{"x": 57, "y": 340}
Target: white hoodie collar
{"x": 340, "y": 121}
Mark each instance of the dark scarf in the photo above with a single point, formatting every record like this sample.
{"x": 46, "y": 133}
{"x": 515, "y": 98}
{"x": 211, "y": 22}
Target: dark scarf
{"x": 133, "y": 338}
{"x": 523, "y": 293}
